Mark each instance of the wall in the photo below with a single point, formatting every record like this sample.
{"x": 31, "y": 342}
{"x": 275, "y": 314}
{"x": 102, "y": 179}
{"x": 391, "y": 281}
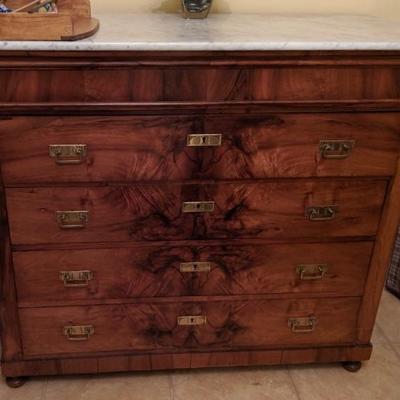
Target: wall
{"x": 387, "y": 8}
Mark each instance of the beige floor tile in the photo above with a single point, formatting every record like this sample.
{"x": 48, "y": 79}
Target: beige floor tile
{"x": 234, "y": 384}
{"x": 378, "y": 379}
{"x": 397, "y": 348}
{"x": 134, "y": 386}
{"x": 389, "y": 317}
{"x": 378, "y": 335}
{"x": 32, "y": 390}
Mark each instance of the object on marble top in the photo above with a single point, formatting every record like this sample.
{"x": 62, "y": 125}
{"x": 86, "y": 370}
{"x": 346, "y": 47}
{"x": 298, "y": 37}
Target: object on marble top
{"x": 196, "y": 9}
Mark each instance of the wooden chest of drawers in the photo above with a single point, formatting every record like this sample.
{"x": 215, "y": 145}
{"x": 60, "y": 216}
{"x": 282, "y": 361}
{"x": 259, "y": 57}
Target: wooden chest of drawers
{"x": 186, "y": 210}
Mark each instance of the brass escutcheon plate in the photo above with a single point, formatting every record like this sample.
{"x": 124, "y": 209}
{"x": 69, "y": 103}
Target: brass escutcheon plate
{"x": 211, "y": 140}
{"x": 198, "y": 206}
{"x": 192, "y": 320}
{"x": 195, "y": 267}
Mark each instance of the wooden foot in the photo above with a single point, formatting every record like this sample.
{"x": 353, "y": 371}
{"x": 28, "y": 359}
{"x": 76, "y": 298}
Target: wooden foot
{"x": 352, "y": 366}
{"x": 16, "y": 382}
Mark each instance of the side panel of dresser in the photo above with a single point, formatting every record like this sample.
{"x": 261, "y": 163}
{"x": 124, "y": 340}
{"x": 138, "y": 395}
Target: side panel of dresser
{"x": 380, "y": 262}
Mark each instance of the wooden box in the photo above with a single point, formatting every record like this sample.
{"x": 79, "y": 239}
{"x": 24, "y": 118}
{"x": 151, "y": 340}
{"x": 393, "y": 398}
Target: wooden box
{"x": 73, "y": 21}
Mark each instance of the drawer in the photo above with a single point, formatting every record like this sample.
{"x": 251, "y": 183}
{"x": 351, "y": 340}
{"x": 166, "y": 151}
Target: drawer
{"x": 126, "y": 149}
{"x": 198, "y": 84}
{"x": 273, "y": 210}
{"x": 191, "y": 270}
{"x": 208, "y": 325}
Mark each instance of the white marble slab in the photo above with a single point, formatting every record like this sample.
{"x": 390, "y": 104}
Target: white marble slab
{"x": 232, "y": 32}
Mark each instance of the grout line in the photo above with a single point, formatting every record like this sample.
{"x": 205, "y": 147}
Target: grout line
{"x": 171, "y": 386}
{"x": 44, "y": 389}
{"x": 296, "y": 391}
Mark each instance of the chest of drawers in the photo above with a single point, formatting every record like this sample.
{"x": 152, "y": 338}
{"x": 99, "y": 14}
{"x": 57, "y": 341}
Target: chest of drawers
{"x": 166, "y": 210}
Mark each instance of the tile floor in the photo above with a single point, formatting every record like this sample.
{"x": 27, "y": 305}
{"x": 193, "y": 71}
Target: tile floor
{"x": 379, "y": 379}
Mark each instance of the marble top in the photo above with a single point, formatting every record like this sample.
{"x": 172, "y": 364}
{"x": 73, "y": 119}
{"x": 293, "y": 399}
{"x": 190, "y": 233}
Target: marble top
{"x": 231, "y": 32}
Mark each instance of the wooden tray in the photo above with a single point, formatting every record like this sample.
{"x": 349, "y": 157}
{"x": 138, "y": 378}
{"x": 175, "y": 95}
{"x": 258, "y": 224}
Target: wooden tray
{"x": 72, "y": 22}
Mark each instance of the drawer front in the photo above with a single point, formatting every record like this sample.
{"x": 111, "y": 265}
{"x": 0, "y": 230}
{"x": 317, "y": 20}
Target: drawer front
{"x": 202, "y": 84}
{"x": 125, "y": 149}
{"x": 179, "y": 326}
{"x": 275, "y": 210}
{"x": 203, "y": 270}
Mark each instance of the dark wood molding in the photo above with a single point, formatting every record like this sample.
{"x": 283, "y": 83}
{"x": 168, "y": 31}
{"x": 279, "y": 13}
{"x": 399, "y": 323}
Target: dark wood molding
{"x": 152, "y": 362}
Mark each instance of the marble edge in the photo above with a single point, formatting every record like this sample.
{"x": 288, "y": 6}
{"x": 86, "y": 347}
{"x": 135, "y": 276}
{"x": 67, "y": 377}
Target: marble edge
{"x": 196, "y": 46}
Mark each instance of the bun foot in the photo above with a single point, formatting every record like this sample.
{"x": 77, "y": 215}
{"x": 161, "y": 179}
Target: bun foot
{"x": 16, "y": 382}
{"x": 352, "y": 366}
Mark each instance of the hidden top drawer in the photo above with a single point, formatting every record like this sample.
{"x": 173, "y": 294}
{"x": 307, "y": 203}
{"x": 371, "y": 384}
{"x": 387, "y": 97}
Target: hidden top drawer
{"x": 172, "y": 326}
{"x": 207, "y": 83}
{"x": 127, "y": 149}
{"x": 271, "y": 210}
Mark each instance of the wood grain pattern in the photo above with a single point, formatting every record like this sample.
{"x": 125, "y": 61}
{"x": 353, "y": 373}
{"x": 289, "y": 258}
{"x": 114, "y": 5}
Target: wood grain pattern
{"x": 384, "y": 245}
{"x": 134, "y": 110}
{"x": 199, "y": 84}
{"x": 154, "y": 148}
{"x": 149, "y": 213}
{"x": 148, "y": 327}
{"x": 154, "y": 271}
{"x": 203, "y": 359}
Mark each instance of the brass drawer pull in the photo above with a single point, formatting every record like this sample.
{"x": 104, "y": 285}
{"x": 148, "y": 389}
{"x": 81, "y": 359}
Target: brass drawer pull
{"x": 204, "y": 140}
{"x": 72, "y": 219}
{"x": 312, "y": 272}
{"x": 68, "y": 153}
{"x": 192, "y": 320}
{"x": 76, "y": 278}
{"x": 302, "y": 325}
{"x": 195, "y": 267}
{"x": 336, "y": 149}
{"x": 78, "y": 333}
{"x": 321, "y": 213}
{"x": 198, "y": 206}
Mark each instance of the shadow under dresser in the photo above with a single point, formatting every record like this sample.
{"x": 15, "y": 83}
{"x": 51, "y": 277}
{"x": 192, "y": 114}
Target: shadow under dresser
{"x": 166, "y": 210}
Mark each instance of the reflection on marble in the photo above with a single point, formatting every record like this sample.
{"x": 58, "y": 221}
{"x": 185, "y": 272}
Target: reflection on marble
{"x": 232, "y": 32}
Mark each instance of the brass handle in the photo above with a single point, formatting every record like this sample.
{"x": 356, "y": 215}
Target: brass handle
{"x": 198, "y": 206}
{"x": 213, "y": 140}
{"x": 195, "y": 267}
{"x": 336, "y": 149}
{"x": 312, "y": 272}
{"x": 72, "y": 219}
{"x": 68, "y": 153}
{"x": 302, "y": 325}
{"x": 321, "y": 213}
{"x": 78, "y": 333}
{"x": 76, "y": 278}
{"x": 192, "y": 320}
